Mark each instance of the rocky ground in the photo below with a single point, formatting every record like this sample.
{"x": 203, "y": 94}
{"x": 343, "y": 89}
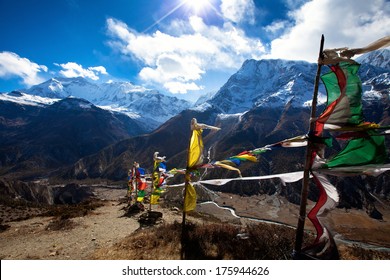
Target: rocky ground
{"x": 80, "y": 237}
{"x": 76, "y": 238}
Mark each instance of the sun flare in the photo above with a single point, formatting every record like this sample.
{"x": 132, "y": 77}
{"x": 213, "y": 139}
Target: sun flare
{"x": 197, "y": 5}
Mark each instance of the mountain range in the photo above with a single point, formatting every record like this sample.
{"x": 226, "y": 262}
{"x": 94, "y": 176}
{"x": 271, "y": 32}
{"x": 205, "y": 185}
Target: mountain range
{"x": 74, "y": 129}
{"x": 53, "y": 124}
{"x": 37, "y": 139}
{"x": 149, "y": 107}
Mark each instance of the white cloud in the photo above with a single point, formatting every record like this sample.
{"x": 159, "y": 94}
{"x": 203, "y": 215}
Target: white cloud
{"x": 179, "y": 87}
{"x": 98, "y": 69}
{"x": 276, "y": 26}
{"x": 12, "y": 65}
{"x": 72, "y": 70}
{"x": 171, "y": 66}
{"x": 238, "y": 10}
{"x": 186, "y": 56}
{"x": 354, "y": 23}
{"x": 174, "y": 73}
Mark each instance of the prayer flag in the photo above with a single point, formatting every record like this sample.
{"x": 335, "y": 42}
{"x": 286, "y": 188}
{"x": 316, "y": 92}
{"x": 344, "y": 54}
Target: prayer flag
{"x": 344, "y": 93}
{"x": 190, "y": 198}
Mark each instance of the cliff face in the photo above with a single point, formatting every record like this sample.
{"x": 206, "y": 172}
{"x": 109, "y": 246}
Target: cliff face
{"x": 42, "y": 193}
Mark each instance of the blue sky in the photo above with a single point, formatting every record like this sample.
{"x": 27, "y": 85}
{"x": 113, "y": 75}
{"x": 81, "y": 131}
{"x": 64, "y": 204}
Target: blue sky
{"x": 180, "y": 47}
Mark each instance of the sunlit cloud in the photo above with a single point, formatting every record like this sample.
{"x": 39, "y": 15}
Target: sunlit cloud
{"x": 238, "y": 10}
{"x": 186, "y": 56}
{"x": 355, "y": 23}
{"x": 276, "y": 27}
{"x": 12, "y": 65}
{"x": 184, "y": 51}
{"x": 73, "y": 70}
{"x": 180, "y": 87}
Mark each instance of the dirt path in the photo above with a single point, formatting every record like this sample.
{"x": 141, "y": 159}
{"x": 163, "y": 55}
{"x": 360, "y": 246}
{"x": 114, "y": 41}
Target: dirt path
{"x": 106, "y": 225}
{"x": 31, "y": 239}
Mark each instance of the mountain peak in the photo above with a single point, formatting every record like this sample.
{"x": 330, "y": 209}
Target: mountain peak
{"x": 115, "y": 95}
{"x": 379, "y": 58}
{"x": 277, "y": 82}
{"x": 270, "y": 83}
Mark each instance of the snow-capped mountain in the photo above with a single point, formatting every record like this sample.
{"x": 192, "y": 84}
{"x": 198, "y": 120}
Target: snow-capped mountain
{"x": 204, "y": 98}
{"x": 271, "y": 83}
{"x": 275, "y": 83}
{"x": 118, "y": 96}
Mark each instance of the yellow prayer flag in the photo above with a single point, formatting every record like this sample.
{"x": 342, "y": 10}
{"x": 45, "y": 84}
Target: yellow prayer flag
{"x": 190, "y": 198}
{"x": 195, "y": 154}
{"x": 246, "y": 157}
{"x": 224, "y": 164}
{"x": 154, "y": 199}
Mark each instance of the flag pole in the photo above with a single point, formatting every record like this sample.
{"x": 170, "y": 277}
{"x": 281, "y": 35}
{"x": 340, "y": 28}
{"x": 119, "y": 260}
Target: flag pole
{"x": 136, "y": 181}
{"x": 183, "y": 223}
{"x": 152, "y": 186}
{"x": 186, "y": 182}
{"x": 129, "y": 185}
{"x": 309, "y": 157}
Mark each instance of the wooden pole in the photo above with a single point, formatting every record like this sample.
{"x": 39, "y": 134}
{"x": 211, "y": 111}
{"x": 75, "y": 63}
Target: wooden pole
{"x": 152, "y": 186}
{"x": 136, "y": 182}
{"x": 129, "y": 185}
{"x": 309, "y": 157}
{"x": 183, "y": 223}
{"x": 186, "y": 183}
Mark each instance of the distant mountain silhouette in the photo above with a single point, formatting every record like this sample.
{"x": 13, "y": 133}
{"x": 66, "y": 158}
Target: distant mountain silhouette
{"x": 36, "y": 140}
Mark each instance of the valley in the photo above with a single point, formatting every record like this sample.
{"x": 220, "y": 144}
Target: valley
{"x": 99, "y": 233}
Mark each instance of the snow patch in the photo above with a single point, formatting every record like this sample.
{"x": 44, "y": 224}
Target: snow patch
{"x": 202, "y": 107}
{"x": 230, "y": 116}
{"x": 121, "y": 110}
{"x": 372, "y": 95}
{"x": 27, "y": 99}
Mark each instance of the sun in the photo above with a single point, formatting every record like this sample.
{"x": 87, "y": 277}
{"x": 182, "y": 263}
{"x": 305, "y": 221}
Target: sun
{"x": 197, "y": 5}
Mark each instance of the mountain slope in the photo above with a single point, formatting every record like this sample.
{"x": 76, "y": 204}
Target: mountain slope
{"x": 37, "y": 139}
{"x": 268, "y": 83}
{"x": 114, "y": 161}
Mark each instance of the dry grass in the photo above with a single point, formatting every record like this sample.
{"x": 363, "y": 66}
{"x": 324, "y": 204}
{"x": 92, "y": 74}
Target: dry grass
{"x": 355, "y": 252}
{"x": 208, "y": 241}
{"x": 219, "y": 241}
{"x": 19, "y": 209}
{"x": 64, "y": 213}
{"x": 59, "y": 224}
{"x": 68, "y": 211}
